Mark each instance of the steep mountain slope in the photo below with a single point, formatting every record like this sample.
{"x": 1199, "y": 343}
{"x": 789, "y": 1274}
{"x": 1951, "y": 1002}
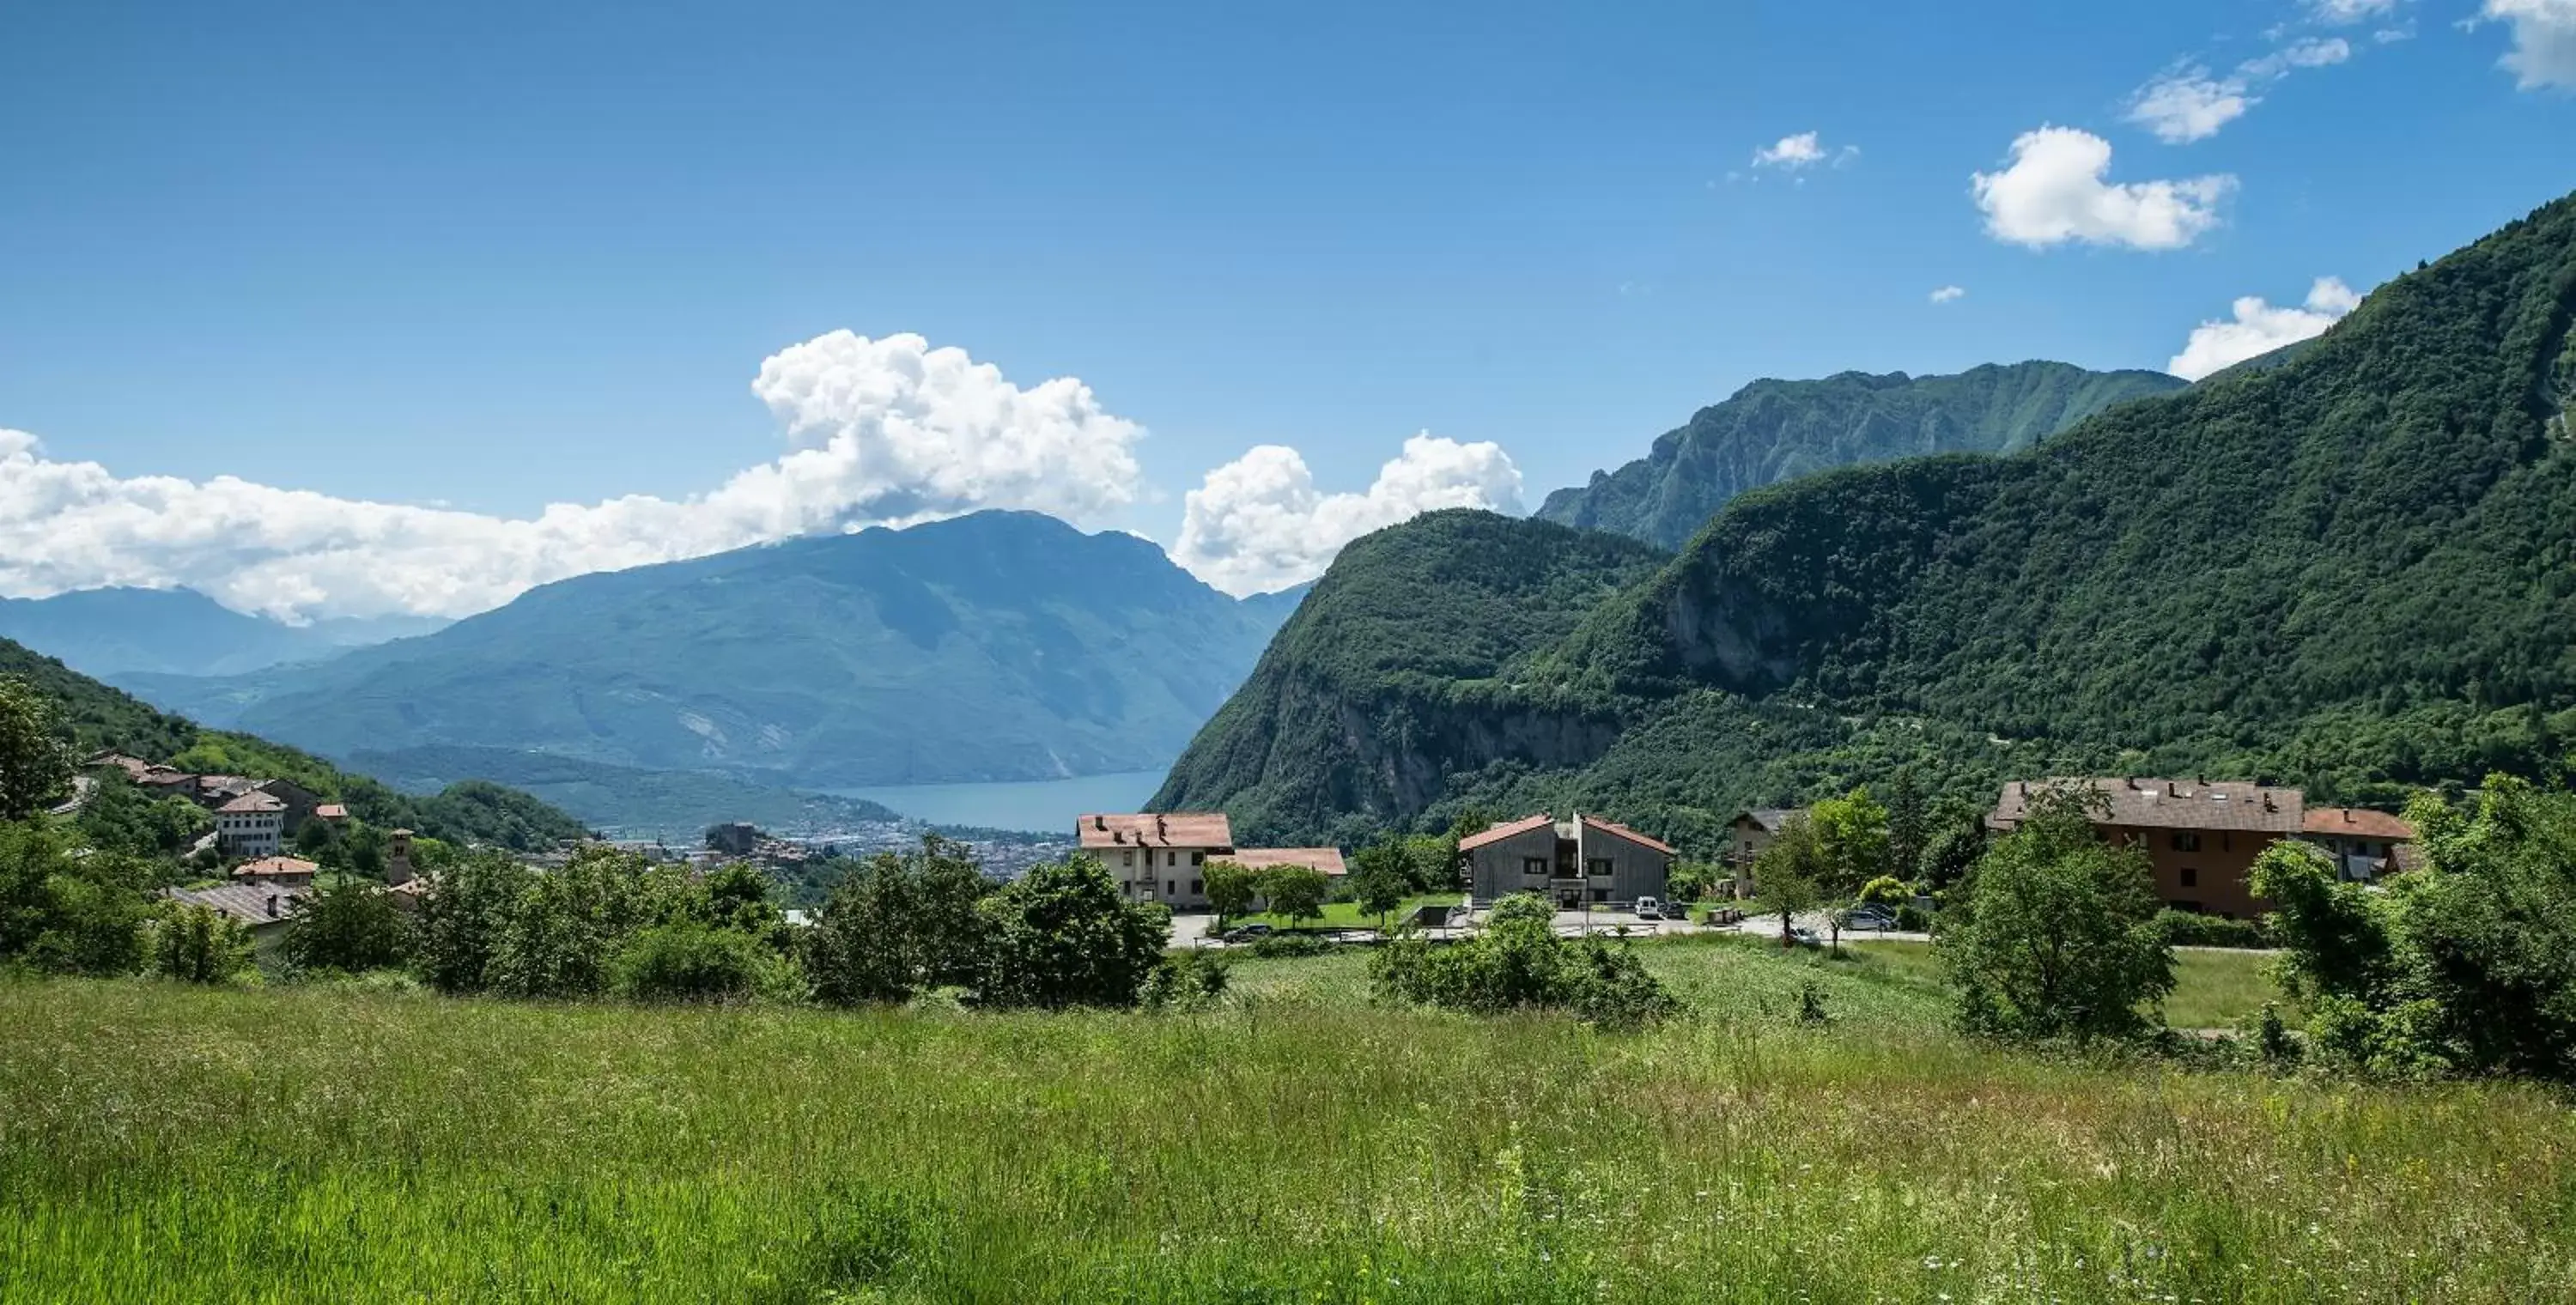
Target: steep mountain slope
{"x": 1398, "y": 658}
{"x": 994, "y": 646}
{"x": 110, "y": 632}
{"x": 467, "y": 809}
{"x": 1771, "y": 431}
{"x": 2354, "y": 570}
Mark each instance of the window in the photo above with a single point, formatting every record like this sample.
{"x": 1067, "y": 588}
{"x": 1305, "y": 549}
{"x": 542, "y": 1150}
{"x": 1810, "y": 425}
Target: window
{"x": 1198, "y": 858}
{"x": 2190, "y": 877}
{"x": 2186, "y": 843}
{"x": 1171, "y": 888}
{"x": 1171, "y": 858}
{"x": 1534, "y": 866}
{"x": 1131, "y": 860}
{"x": 1198, "y": 886}
{"x": 1598, "y": 866}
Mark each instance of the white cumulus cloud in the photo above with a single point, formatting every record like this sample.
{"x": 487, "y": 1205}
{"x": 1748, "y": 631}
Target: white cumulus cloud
{"x": 2258, "y": 328}
{"x": 2342, "y": 12}
{"x": 1948, "y": 293}
{"x": 885, "y": 431}
{"x": 1798, "y": 151}
{"x": 2544, "y": 41}
{"x": 1258, "y": 523}
{"x": 2054, "y": 191}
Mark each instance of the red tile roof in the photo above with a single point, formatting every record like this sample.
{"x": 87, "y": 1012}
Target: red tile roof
{"x": 331, "y": 811}
{"x": 2168, "y": 804}
{"x": 1325, "y": 859}
{"x": 1197, "y": 829}
{"x": 276, "y": 867}
{"x": 252, "y": 803}
{"x": 1617, "y": 830}
{"x": 2357, "y": 822}
{"x": 1507, "y": 829}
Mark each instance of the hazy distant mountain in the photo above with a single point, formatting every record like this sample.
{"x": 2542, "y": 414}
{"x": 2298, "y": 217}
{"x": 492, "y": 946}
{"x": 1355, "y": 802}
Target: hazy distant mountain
{"x": 621, "y": 800}
{"x": 1771, "y": 431}
{"x": 998, "y": 646}
{"x": 107, "y": 632}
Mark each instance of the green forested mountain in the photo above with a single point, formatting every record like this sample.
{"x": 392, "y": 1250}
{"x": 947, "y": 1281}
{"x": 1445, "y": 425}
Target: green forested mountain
{"x": 997, "y": 646}
{"x": 2354, "y": 570}
{"x": 1771, "y": 431}
{"x": 96, "y": 716}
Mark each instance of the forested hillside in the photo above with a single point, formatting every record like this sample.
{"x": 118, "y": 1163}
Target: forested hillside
{"x": 2355, "y": 570}
{"x": 97, "y": 716}
{"x": 1771, "y": 431}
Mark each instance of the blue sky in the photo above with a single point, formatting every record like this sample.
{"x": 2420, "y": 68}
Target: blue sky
{"x": 497, "y": 257}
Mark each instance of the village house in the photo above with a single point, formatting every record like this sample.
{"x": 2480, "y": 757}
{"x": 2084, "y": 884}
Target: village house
{"x": 250, "y": 825}
{"x": 1749, "y": 836}
{"x": 1164, "y": 857}
{"x": 2365, "y": 844}
{"x": 264, "y": 909}
{"x": 1583, "y": 861}
{"x": 2202, "y": 838}
{"x": 276, "y": 871}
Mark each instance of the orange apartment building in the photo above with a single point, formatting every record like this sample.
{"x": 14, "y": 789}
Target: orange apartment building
{"x": 2202, "y": 838}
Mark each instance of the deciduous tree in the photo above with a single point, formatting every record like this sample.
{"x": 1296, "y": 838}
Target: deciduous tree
{"x": 2059, "y": 936}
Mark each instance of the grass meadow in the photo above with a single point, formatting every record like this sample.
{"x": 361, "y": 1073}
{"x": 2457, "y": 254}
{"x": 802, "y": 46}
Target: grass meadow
{"x": 159, "y": 1143}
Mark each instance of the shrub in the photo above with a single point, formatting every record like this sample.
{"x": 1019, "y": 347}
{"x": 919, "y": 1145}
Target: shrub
{"x": 1913, "y": 919}
{"x": 196, "y": 945}
{"x": 1063, "y": 935}
{"x": 2191, "y": 929}
{"x": 2059, "y": 936}
{"x": 1519, "y": 962}
{"x": 1288, "y": 946}
{"x": 1887, "y": 890}
{"x": 349, "y": 927}
{"x": 2468, "y": 965}
{"x": 687, "y": 960}
{"x": 1188, "y": 980}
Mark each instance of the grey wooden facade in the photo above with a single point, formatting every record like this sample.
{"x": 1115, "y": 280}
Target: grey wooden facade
{"x": 1573, "y": 863}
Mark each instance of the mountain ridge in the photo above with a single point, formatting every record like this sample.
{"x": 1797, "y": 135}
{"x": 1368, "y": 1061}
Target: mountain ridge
{"x": 994, "y": 646}
{"x": 2354, "y": 569}
{"x": 1773, "y": 430}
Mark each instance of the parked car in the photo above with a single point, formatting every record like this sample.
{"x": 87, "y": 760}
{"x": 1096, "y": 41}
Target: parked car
{"x": 1869, "y": 918}
{"x": 1247, "y": 933}
{"x": 1649, "y": 909}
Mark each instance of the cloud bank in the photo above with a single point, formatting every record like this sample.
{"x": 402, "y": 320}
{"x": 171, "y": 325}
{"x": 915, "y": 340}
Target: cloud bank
{"x": 886, "y": 431}
{"x": 2258, "y": 328}
{"x": 1258, "y": 523}
{"x": 2053, "y": 191}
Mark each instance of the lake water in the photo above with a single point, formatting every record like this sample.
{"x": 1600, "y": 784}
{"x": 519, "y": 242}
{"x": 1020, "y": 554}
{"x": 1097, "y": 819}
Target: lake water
{"x": 1047, "y": 806}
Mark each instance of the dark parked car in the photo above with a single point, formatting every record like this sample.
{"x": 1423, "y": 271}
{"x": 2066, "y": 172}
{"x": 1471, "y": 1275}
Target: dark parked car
{"x": 1247, "y": 933}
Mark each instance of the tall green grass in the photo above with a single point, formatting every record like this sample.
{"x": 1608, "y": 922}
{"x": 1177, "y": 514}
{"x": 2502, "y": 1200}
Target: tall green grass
{"x": 160, "y": 1143}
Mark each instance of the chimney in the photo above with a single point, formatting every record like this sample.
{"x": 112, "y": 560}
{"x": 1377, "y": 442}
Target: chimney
{"x": 2170, "y": 790}
{"x": 1100, "y": 822}
{"x": 2130, "y": 783}
{"x": 2347, "y": 816}
{"x": 2267, "y": 803}
{"x": 272, "y": 906}
{"x": 1159, "y": 831}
